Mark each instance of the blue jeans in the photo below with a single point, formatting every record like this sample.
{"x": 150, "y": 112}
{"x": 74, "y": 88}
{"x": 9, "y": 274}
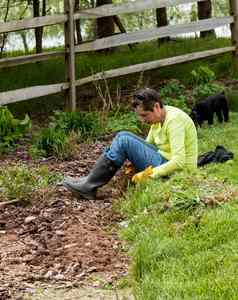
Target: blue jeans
{"x": 129, "y": 146}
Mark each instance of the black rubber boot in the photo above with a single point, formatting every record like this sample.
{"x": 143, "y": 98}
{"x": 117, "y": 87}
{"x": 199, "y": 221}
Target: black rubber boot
{"x": 87, "y": 186}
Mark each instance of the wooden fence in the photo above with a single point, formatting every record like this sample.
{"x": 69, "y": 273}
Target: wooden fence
{"x": 68, "y": 18}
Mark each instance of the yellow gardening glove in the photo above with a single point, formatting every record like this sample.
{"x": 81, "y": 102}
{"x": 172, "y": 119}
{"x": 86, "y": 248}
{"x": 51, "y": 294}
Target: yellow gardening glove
{"x": 138, "y": 177}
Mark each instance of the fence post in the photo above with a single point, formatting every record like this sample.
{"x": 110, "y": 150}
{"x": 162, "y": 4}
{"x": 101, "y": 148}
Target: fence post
{"x": 70, "y": 55}
{"x": 234, "y": 31}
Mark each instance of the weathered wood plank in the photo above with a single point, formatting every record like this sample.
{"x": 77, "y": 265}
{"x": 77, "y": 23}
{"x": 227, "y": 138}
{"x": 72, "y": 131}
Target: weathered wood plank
{"x": 31, "y": 92}
{"x": 148, "y": 35}
{"x": 153, "y": 65}
{"x": 104, "y": 10}
{"x": 234, "y": 26}
{"x": 234, "y": 32}
{"x": 70, "y": 56}
{"x": 21, "y": 60}
{"x": 38, "y": 91}
{"x": 32, "y": 23}
{"x": 125, "y": 8}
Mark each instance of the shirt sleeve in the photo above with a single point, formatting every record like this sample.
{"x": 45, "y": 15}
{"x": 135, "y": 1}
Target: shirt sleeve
{"x": 176, "y": 137}
{"x": 150, "y": 138}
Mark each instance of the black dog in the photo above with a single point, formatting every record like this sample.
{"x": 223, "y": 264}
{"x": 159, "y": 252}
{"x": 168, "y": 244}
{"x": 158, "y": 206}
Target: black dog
{"x": 204, "y": 110}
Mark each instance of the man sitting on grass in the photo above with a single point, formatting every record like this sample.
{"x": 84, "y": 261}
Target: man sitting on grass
{"x": 170, "y": 145}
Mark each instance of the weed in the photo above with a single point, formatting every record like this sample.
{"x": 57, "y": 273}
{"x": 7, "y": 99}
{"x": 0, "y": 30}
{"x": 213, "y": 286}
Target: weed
{"x": 202, "y": 91}
{"x": 11, "y": 129}
{"x": 180, "y": 102}
{"x": 202, "y": 75}
{"x": 173, "y": 89}
{"x": 172, "y": 93}
{"x": 54, "y": 142}
{"x": 19, "y": 182}
{"x": 123, "y": 121}
{"x": 84, "y": 124}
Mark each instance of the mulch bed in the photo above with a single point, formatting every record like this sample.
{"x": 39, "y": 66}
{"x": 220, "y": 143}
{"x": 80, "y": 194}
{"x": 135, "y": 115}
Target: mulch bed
{"x": 58, "y": 239}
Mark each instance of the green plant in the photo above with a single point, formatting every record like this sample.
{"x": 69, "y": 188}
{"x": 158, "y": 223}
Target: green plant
{"x": 202, "y": 75}
{"x": 172, "y": 93}
{"x": 172, "y": 89}
{"x": 11, "y": 129}
{"x": 19, "y": 182}
{"x": 123, "y": 121}
{"x": 204, "y": 90}
{"x": 180, "y": 102}
{"x": 83, "y": 123}
{"x": 54, "y": 142}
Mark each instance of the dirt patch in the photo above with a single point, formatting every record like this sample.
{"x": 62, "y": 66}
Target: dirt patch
{"x": 82, "y": 294}
{"x": 58, "y": 239}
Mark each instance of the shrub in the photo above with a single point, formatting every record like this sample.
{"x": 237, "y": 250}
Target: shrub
{"x": 172, "y": 89}
{"x": 19, "y": 182}
{"x": 172, "y": 93}
{"x": 84, "y": 124}
{"x": 11, "y": 129}
{"x": 204, "y": 90}
{"x": 124, "y": 121}
{"x": 202, "y": 75}
{"x": 53, "y": 142}
{"x": 180, "y": 102}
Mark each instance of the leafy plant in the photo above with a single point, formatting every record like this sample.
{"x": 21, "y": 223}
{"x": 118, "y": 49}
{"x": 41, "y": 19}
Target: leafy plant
{"x": 11, "y": 129}
{"x": 19, "y": 182}
{"x": 52, "y": 141}
{"x": 124, "y": 121}
{"x": 180, "y": 102}
{"x": 202, "y": 75}
{"x": 84, "y": 124}
{"x": 204, "y": 90}
{"x": 172, "y": 89}
{"x": 172, "y": 93}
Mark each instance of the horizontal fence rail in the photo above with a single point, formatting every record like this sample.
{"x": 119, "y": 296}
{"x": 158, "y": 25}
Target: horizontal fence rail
{"x": 20, "y": 60}
{"x": 32, "y": 92}
{"x": 127, "y": 8}
{"x": 151, "y": 34}
{"x": 44, "y": 90}
{"x": 32, "y": 23}
{"x": 122, "y": 39}
{"x": 153, "y": 65}
{"x": 92, "y": 13}
{"x": 104, "y": 43}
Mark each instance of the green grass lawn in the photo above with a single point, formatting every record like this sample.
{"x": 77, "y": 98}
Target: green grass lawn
{"x": 183, "y": 231}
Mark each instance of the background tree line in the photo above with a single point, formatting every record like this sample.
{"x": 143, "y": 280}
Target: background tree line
{"x": 102, "y": 27}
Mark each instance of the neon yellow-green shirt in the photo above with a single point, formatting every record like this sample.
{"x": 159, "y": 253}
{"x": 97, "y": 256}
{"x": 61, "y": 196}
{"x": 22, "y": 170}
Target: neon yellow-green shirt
{"x": 176, "y": 141}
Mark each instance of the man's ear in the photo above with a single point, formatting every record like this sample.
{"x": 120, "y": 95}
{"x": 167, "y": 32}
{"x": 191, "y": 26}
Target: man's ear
{"x": 157, "y": 106}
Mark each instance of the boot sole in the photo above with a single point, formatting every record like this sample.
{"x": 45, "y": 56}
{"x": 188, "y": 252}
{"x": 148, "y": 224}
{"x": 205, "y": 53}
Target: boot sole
{"x": 78, "y": 194}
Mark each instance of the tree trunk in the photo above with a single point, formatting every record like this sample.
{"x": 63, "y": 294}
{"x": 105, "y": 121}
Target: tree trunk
{"x": 24, "y": 41}
{"x": 205, "y": 12}
{"x": 105, "y": 25}
{"x": 162, "y": 20}
{"x": 79, "y": 38}
{"x": 121, "y": 27}
{"x": 4, "y": 36}
{"x": 39, "y": 30}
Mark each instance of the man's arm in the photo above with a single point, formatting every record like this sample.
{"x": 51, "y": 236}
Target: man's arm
{"x": 176, "y": 136}
{"x": 150, "y": 138}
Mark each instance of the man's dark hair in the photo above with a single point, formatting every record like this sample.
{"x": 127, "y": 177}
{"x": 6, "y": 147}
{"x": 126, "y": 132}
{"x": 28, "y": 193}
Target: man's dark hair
{"x": 147, "y": 98}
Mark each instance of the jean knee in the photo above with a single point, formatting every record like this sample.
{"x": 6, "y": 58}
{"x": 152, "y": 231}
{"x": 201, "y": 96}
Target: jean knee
{"x": 122, "y": 134}
{"x": 123, "y": 139}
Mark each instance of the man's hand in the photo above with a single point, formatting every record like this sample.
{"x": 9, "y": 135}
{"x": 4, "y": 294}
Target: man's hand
{"x": 129, "y": 168}
{"x": 138, "y": 177}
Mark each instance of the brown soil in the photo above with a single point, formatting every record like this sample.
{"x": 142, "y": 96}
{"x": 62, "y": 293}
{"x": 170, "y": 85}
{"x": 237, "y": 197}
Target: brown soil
{"x": 57, "y": 238}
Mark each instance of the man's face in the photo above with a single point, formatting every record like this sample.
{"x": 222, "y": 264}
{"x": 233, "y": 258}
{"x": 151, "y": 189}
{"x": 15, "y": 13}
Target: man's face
{"x": 150, "y": 117}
